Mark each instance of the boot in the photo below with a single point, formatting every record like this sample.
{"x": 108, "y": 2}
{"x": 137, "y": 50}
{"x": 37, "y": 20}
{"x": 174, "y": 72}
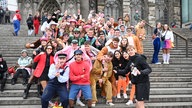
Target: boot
{"x": 26, "y": 91}
{"x": 39, "y": 90}
{"x": 13, "y": 81}
{"x": 24, "y": 81}
{"x": 29, "y": 32}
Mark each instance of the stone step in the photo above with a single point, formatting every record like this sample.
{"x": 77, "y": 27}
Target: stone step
{"x": 153, "y": 99}
{"x": 120, "y": 105}
{"x": 152, "y": 79}
{"x": 153, "y": 91}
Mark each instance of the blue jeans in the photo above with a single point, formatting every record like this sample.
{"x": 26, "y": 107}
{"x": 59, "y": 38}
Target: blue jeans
{"x": 157, "y": 46}
{"x": 74, "y": 90}
{"x": 16, "y": 24}
{"x": 51, "y": 90}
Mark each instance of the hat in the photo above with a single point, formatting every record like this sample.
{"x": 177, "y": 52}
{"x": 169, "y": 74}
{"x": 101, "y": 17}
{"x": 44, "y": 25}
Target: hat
{"x": 73, "y": 20}
{"x": 74, "y": 41}
{"x": 17, "y": 11}
{"x": 76, "y": 30}
{"x": 82, "y": 20}
{"x": 66, "y": 34}
{"x": 24, "y": 50}
{"x": 62, "y": 55}
{"x": 43, "y": 38}
{"x": 53, "y": 23}
{"x": 86, "y": 26}
{"x": 78, "y": 52}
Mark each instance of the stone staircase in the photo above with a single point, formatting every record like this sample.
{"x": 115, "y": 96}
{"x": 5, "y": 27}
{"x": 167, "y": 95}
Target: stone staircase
{"x": 171, "y": 85}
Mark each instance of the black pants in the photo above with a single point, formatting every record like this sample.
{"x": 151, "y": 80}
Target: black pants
{"x": 3, "y": 79}
{"x": 24, "y": 73}
{"x": 7, "y": 19}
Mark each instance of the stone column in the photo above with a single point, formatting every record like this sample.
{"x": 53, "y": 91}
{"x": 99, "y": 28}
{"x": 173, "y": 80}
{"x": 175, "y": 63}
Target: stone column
{"x": 126, "y": 7}
{"x": 151, "y": 16}
{"x": 84, "y": 5}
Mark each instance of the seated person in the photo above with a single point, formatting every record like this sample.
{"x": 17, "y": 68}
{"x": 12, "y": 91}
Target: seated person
{"x": 24, "y": 64}
{"x": 102, "y": 71}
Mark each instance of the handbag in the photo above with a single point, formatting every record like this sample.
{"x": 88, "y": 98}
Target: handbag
{"x": 11, "y": 69}
{"x": 163, "y": 37}
{"x": 153, "y": 36}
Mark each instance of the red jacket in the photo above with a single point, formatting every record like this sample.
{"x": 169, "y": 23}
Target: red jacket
{"x": 41, "y": 59}
{"x": 76, "y": 70}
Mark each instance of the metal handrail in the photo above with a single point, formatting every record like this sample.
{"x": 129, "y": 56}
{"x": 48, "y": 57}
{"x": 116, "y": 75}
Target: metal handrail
{"x": 176, "y": 39}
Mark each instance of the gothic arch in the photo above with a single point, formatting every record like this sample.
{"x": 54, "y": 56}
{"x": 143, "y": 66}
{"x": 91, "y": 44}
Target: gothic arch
{"x": 48, "y": 6}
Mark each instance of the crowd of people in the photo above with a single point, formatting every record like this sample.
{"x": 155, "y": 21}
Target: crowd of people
{"x": 75, "y": 56}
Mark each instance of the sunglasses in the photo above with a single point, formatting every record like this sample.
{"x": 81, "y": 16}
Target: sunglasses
{"x": 50, "y": 48}
{"x": 76, "y": 33}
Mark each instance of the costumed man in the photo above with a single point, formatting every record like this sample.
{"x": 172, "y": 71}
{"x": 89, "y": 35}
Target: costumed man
{"x": 133, "y": 40}
{"x": 58, "y": 77}
{"x": 3, "y": 69}
{"x": 16, "y": 22}
{"x": 141, "y": 34}
{"x": 80, "y": 79}
{"x": 69, "y": 50}
{"x": 102, "y": 71}
{"x": 112, "y": 47}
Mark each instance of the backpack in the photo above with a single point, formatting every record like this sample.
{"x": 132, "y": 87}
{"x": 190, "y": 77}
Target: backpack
{"x": 1, "y": 12}
{"x": 29, "y": 20}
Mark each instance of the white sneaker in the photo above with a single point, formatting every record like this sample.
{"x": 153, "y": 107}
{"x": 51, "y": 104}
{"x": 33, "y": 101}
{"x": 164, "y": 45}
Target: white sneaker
{"x": 93, "y": 104}
{"x": 158, "y": 63}
{"x": 80, "y": 103}
{"x": 130, "y": 102}
{"x": 118, "y": 95}
{"x": 125, "y": 95}
{"x": 110, "y": 104}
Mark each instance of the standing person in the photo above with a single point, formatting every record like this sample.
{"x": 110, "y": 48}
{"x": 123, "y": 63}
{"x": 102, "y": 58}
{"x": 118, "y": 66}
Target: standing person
{"x": 167, "y": 41}
{"x": 156, "y": 43}
{"x": 7, "y": 15}
{"x": 80, "y": 79}
{"x": 30, "y": 24}
{"x": 140, "y": 71}
{"x": 141, "y": 34}
{"x": 44, "y": 60}
{"x": 36, "y": 22}
{"x": 16, "y": 22}
{"x": 58, "y": 75}
{"x": 3, "y": 69}
{"x": 2, "y": 12}
{"x": 44, "y": 18}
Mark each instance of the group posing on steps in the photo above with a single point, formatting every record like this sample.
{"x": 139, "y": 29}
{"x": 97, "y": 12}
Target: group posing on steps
{"x": 74, "y": 56}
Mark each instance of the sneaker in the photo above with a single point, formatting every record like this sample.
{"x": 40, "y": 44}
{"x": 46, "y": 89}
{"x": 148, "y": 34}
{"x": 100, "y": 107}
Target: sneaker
{"x": 110, "y": 103}
{"x": 80, "y": 103}
{"x": 51, "y": 104}
{"x": 165, "y": 62}
{"x": 130, "y": 102}
{"x": 158, "y": 63}
{"x": 93, "y": 104}
{"x": 118, "y": 95}
{"x": 125, "y": 95}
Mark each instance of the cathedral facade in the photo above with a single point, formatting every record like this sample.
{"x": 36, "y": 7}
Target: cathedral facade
{"x": 165, "y": 11}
